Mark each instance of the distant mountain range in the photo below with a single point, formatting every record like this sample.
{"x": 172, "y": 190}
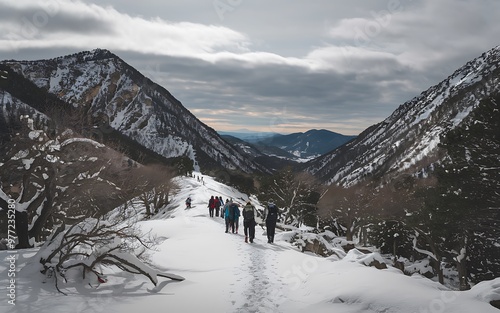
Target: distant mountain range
{"x": 297, "y": 146}
{"x": 248, "y": 135}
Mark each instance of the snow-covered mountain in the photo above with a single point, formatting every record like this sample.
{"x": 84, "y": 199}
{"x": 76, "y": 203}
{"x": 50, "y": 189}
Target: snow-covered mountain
{"x": 270, "y": 157}
{"x": 109, "y": 90}
{"x": 276, "y": 151}
{"x": 310, "y": 144}
{"x": 408, "y": 140}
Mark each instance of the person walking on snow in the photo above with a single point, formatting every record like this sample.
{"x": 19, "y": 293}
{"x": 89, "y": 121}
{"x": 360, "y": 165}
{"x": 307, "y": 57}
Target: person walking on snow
{"x": 211, "y": 206}
{"x": 223, "y": 213}
{"x": 217, "y": 206}
{"x": 236, "y": 217}
{"x": 228, "y": 215}
{"x": 249, "y": 221}
{"x": 271, "y": 217}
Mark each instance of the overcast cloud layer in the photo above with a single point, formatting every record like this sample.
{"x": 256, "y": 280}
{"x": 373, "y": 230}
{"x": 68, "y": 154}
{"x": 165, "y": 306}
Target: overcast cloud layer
{"x": 267, "y": 65}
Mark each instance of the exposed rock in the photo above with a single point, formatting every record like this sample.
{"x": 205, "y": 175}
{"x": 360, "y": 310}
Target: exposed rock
{"x": 378, "y": 265}
{"x": 495, "y": 303}
{"x": 348, "y": 247}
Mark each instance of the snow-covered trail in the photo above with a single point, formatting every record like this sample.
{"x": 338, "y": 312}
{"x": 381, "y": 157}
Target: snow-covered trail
{"x": 248, "y": 280}
{"x": 265, "y": 285}
{"x": 224, "y": 274}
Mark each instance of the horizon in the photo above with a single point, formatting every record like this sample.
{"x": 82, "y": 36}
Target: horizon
{"x": 249, "y": 131}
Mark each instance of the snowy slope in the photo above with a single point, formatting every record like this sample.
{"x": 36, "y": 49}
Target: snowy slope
{"x": 114, "y": 93}
{"x": 409, "y": 137}
{"x": 224, "y": 274}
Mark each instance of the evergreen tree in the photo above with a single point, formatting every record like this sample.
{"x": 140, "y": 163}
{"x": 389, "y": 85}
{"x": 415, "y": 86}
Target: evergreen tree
{"x": 461, "y": 213}
{"x": 347, "y": 209}
{"x": 470, "y": 181}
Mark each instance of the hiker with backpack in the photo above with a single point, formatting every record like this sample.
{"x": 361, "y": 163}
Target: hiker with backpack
{"x": 249, "y": 221}
{"x": 223, "y": 212}
{"x": 232, "y": 214}
{"x": 271, "y": 217}
{"x": 236, "y": 217}
{"x": 188, "y": 203}
{"x": 228, "y": 215}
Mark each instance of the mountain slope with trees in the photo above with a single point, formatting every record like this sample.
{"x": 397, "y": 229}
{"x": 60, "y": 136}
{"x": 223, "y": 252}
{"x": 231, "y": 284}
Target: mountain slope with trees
{"x": 108, "y": 91}
{"x": 407, "y": 140}
{"x": 423, "y": 184}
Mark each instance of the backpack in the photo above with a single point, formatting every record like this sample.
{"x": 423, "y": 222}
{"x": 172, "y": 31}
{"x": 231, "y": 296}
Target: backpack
{"x": 248, "y": 213}
{"x": 234, "y": 211}
{"x": 230, "y": 211}
{"x": 272, "y": 212}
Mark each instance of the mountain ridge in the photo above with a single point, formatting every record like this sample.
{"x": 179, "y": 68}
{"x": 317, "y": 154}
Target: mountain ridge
{"x": 298, "y": 146}
{"x": 309, "y": 144}
{"x": 104, "y": 85}
{"x": 407, "y": 140}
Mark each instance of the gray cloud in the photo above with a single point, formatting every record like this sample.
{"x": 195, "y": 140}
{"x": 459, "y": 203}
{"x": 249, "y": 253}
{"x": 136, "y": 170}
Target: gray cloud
{"x": 293, "y": 94}
{"x": 32, "y": 20}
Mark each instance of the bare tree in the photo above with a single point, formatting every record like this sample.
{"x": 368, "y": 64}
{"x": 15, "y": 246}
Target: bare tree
{"x": 296, "y": 194}
{"x": 158, "y": 186}
{"x": 54, "y": 179}
{"x": 30, "y": 175}
{"x": 92, "y": 243}
{"x": 347, "y": 207}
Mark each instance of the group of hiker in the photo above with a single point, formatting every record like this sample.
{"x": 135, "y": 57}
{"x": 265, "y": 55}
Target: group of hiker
{"x": 214, "y": 205}
{"x": 231, "y": 213}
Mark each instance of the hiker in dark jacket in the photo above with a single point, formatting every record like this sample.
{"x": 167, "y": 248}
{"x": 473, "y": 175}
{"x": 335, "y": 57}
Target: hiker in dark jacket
{"x": 217, "y": 206}
{"x": 271, "y": 217}
{"x": 211, "y": 206}
{"x": 248, "y": 213}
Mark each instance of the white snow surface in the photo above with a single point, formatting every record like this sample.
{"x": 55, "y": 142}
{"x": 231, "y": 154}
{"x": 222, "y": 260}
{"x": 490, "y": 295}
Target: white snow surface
{"x": 224, "y": 274}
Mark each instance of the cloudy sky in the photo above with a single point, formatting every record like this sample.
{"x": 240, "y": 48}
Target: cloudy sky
{"x": 281, "y": 66}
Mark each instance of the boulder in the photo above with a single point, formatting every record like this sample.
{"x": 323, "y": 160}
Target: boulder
{"x": 371, "y": 259}
{"x": 348, "y": 247}
{"x": 315, "y": 246}
{"x": 377, "y": 264}
{"x": 495, "y": 303}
